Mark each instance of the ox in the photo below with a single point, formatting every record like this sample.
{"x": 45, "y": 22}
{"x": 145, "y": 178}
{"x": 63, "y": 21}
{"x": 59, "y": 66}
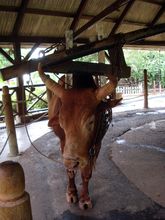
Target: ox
{"x": 79, "y": 117}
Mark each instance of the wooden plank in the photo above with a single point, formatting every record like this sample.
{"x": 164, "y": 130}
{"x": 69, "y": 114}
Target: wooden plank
{"x": 69, "y": 67}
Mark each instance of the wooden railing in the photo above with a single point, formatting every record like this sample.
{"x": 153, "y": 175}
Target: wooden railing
{"x": 35, "y": 99}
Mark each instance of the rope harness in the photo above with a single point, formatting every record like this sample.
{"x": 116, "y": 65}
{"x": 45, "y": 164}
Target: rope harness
{"x": 104, "y": 118}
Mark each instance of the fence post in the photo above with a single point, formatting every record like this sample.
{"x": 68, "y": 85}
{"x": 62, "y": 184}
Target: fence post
{"x": 9, "y": 119}
{"x": 14, "y": 201}
{"x": 145, "y": 89}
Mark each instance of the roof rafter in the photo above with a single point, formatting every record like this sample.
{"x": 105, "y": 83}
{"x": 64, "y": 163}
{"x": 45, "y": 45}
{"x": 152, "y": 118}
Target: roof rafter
{"x": 121, "y": 18}
{"x": 20, "y": 16}
{"x": 78, "y": 15}
{"x": 152, "y": 2}
{"x": 113, "y": 7}
{"x": 158, "y": 15}
{"x": 65, "y": 14}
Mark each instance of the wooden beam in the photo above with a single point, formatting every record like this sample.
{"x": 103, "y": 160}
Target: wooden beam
{"x": 20, "y": 90}
{"x": 6, "y": 55}
{"x": 158, "y": 15}
{"x": 121, "y": 18}
{"x": 147, "y": 43}
{"x": 141, "y": 34}
{"x": 78, "y": 15}
{"x": 9, "y": 8}
{"x": 63, "y": 56}
{"x": 71, "y": 67}
{"x": 39, "y": 39}
{"x": 156, "y": 2}
{"x": 113, "y": 7}
{"x": 44, "y": 12}
{"x": 20, "y": 16}
{"x": 35, "y": 46}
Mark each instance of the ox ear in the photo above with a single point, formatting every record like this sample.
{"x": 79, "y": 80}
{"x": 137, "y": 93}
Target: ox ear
{"x": 107, "y": 89}
{"x": 50, "y": 84}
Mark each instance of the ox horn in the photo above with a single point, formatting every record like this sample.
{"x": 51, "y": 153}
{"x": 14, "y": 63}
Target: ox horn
{"x": 50, "y": 84}
{"x": 107, "y": 89}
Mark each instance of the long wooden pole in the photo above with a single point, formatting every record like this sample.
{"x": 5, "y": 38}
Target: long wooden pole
{"x": 145, "y": 89}
{"x": 9, "y": 119}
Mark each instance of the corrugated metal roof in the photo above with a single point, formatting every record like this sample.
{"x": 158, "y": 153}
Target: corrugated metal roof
{"x": 51, "y": 18}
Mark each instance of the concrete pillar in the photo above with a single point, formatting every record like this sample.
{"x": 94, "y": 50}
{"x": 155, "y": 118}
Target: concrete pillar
{"x": 14, "y": 201}
{"x": 9, "y": 119}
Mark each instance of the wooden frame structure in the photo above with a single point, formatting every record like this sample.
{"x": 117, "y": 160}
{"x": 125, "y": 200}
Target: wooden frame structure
{"x": 63, "y": 60}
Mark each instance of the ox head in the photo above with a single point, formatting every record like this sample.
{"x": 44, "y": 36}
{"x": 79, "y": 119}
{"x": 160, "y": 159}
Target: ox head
{"x": 77, "y": 117}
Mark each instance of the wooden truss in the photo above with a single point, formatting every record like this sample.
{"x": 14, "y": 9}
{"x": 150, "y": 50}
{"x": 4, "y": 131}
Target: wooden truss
{"x": 62, "y": 61}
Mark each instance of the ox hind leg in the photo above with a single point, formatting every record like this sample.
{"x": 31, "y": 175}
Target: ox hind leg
{"x": 85, "y": 201}
{"x": 71, "y": 194}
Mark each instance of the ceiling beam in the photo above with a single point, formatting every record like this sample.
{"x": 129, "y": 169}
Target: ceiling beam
{"x": 65, "y": 15}
{"x": 113, "y": 7}
{"x": 147, "y": 43}
{"x": 6, "y": 55}
{"x": 39, "y": 39}
{"x": 158, "y": 15}
{"x": 20, "y": 16}
{"x": 122, "y": 16}
{"x": 78, "y": 15}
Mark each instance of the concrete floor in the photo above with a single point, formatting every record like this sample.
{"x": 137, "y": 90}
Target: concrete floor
{"x": 129, "y": 179}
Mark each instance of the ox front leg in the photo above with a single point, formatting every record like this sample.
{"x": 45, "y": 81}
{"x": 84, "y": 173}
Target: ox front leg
{"x": 71, "y": 194}
{"x": 85, "y": 201}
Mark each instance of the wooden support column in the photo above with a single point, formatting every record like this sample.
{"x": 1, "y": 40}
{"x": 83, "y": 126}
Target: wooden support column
{"x": 21, "y": 106}
{"x": 9, "y": 119}
{"x": 145, "y": 89}
{"x": 101, "y": 59}
{"x": 14, "y": 201}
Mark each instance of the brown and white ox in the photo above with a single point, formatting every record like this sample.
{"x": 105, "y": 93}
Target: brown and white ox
{"x": 74, "y": 115}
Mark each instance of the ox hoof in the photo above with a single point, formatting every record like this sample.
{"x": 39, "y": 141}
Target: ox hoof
{"x": 71, "y": 197}
{"x": 85, "y": 204}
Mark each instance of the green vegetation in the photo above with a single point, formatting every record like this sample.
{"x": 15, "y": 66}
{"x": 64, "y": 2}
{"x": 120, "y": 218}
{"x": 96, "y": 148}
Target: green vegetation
{"x": 153, "y": 61}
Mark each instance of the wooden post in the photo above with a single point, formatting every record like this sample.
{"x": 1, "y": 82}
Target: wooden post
{"x": 14, "y": 201}
{"x": 101, "y": 59}
{"x": 145, "y": 89}
{"x": 21, "y": 97}
{"x": 154, "y": 87}
{"x": 9, "y": 119}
